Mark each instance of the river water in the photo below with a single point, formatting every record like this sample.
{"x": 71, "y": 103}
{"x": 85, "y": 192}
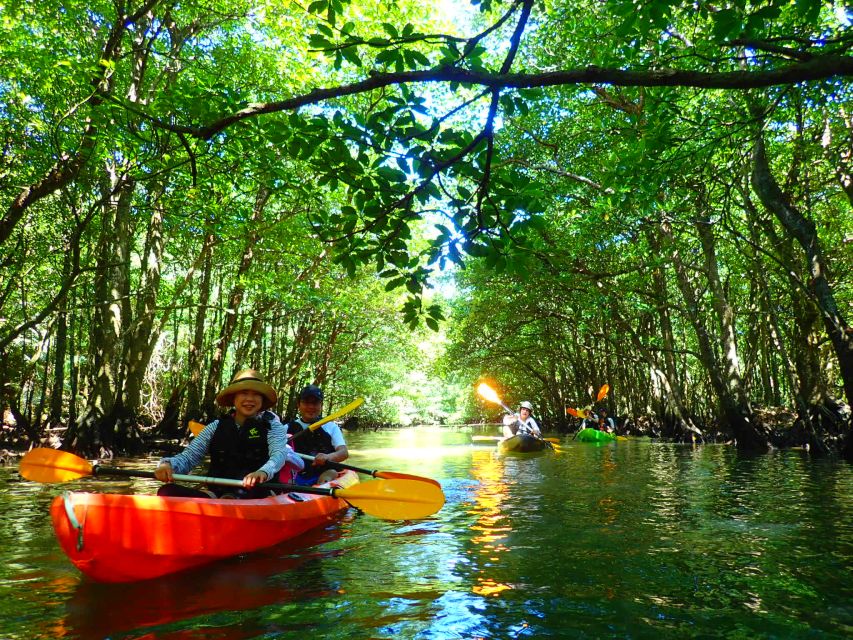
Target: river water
{"x": 635, "y": 539}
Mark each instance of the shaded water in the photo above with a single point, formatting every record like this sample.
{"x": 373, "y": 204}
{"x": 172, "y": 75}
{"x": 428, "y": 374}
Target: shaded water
{"x": 628, "y": 540}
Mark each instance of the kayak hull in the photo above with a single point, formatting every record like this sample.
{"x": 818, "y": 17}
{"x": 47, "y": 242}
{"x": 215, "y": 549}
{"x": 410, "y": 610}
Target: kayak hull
{"x": 126, "y": 538}
{"x": 522, "y": 443}
{"x": 594, "y": 435}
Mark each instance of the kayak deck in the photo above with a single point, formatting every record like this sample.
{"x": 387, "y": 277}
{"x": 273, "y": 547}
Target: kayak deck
{"x": 523, "y": 443}
{"x": 594, "y": 435}
{"x": 125, "y": 538}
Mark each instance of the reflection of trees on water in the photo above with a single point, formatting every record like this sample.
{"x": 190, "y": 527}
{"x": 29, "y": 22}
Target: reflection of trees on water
{"x": 490, "y": 524}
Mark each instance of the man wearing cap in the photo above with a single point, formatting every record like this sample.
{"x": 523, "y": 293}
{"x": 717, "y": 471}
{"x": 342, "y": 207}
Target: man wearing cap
{"x": 247, "y": 443}
{"x": 521, "y": 422}
{"x": 326, "y": 443}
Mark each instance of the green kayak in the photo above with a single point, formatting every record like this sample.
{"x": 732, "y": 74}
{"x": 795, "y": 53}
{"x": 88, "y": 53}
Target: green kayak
{"x": 594, "y": 435}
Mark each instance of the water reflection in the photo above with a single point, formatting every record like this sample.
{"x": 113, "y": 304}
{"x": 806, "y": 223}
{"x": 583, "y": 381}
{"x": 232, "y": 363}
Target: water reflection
{"x": 639, "y": 540}
{"x": 490, "y": 524}
{"x": 251, "y": 582}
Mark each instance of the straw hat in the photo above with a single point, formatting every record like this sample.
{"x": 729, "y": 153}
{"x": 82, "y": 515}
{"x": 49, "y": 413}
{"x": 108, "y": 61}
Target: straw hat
{"x": 247, "y": 380}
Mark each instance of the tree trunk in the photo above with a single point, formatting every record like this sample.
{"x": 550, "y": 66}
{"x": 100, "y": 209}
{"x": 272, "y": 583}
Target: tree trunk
{"x": 235, "y": 298}
{"x": 735, "y": 409}
{"x": 94, "y": 434}
{"x": 195, "y": 359}
{"x": 804, "y": 232}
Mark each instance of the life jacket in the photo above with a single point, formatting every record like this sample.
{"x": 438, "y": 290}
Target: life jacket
{"x": 310, "y": 443}
{"x": 238, "y": 450}
{"x": 524, "y": 427}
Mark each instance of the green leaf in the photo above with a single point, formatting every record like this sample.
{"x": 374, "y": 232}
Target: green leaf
{"x": 394, "y": 284}
{"x": 351, "y": 55}
{"x": 318, "y": 6}
{"x": 393, "y": 175}
{"x": 727, "y": 24}
{"x": 317, "y": 41}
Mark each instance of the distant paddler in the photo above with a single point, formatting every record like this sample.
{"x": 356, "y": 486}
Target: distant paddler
{"x": 520, "y": 422}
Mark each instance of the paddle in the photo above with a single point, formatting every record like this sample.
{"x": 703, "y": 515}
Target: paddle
{"x": 491, "y": 395}
{"x": 582, "y": 414}
{"x": 196, "y": 427}
{"x": 395, "y": 499}
{"x": 389, "y": 475}
{"x": 497, "y": 438}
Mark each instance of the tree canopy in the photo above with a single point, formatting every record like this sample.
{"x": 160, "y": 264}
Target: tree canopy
{"x": 653, "y": 194}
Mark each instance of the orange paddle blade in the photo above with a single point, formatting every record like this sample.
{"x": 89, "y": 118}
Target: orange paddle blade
{"x": 572, "y": 412}
{"x": 488, "y": 393}
{"x": 51, "y": 465}
{"x": 196, "y": 427}
{"x": 602, "y": 393}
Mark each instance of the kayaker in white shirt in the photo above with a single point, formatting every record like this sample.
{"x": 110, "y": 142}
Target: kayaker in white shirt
{"x": 521, "y": 422}
{"x": 248, "y": 443}
{"x": 326, "y": 443}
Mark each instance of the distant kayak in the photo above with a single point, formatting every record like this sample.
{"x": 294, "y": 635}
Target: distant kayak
{"x": 523, "y": 443}
{"x": 594, "y": 435}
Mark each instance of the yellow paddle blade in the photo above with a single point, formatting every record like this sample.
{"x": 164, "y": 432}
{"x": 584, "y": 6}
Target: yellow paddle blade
{"x": 395, "y": 499}
{"x": 51, "y": 465}
{"x": 337, "y": 414}
{"x": 602, "y": 393}
{"x": 394, "y": 475}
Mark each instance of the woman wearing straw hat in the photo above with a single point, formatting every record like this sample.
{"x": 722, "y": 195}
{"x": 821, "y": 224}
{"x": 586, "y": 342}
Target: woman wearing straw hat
{"x": 248, "y": 443}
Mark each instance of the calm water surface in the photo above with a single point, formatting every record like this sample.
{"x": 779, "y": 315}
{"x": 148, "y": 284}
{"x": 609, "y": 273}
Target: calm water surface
{"x": 629, "y": 540}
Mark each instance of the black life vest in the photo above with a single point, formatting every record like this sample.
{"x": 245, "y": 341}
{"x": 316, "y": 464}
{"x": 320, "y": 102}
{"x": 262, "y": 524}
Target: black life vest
{"x": 238, "y": 450}
{"x": 310, "y": 443}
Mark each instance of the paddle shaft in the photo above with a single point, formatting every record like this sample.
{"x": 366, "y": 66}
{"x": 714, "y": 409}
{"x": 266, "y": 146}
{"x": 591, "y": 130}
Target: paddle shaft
{"x": 376, "y": 474}
{"x": 227, "y": 482}
{"x": 339, "y": 466}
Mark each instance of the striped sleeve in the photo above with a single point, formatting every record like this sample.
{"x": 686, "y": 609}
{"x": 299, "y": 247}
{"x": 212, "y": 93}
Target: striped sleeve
{"x": 195, "y": 452}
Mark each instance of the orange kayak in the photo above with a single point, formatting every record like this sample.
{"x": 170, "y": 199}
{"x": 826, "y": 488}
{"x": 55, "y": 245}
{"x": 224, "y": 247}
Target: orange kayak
{"x": 125, "y": 538}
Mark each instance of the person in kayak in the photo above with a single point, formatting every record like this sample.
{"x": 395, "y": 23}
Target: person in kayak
{"x": 591, "y": 419}
{"x": 521, "y": 422}
{"x": 249, "y": 443}
{"x": 326, "y": 443}
{"x": 605, "y": 423}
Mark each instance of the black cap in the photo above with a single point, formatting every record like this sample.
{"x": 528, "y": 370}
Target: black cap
{"x": 311, "y": 391}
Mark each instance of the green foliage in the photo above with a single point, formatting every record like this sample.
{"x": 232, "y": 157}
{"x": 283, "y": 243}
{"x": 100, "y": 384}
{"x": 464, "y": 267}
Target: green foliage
{"x": 554, "y": 200}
